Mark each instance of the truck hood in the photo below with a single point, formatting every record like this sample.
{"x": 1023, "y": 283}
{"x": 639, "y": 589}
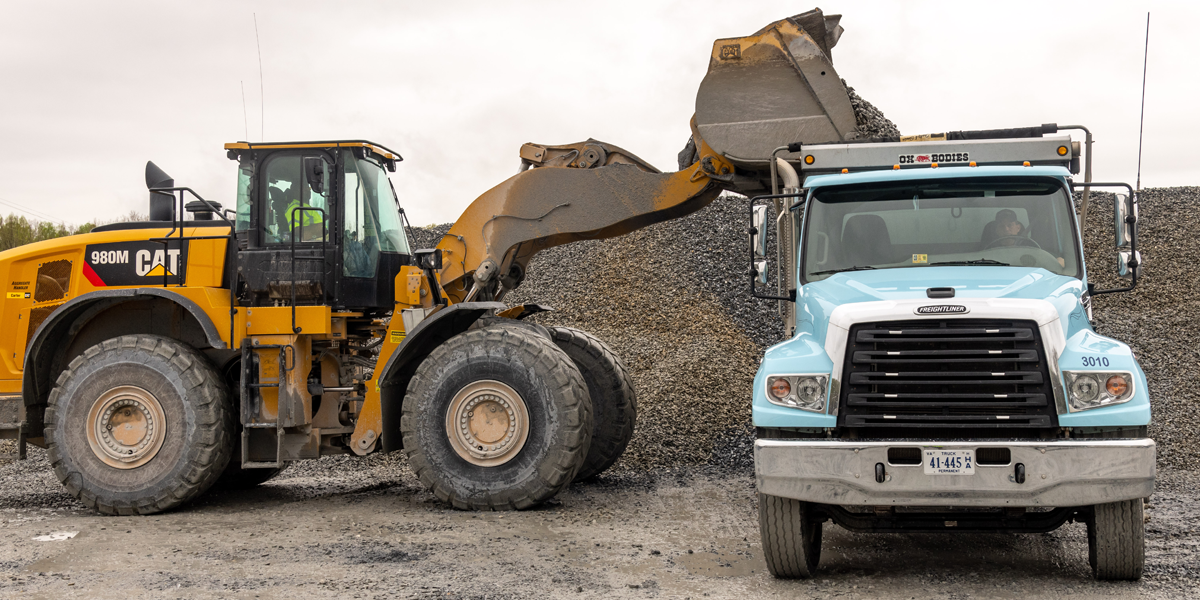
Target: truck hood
{"x": 815, "y": 301}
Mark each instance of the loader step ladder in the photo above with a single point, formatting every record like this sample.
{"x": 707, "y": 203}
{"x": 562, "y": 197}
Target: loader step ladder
{"x": 252, "y": 401}
{"x": 12, "y": 426}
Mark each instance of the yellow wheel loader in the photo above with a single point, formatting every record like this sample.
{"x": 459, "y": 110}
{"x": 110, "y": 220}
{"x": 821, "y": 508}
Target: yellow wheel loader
{"x": 213, "y": 346}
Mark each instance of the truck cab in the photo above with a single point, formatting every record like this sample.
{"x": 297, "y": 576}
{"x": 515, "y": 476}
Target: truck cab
{"x": 941, "y": 372}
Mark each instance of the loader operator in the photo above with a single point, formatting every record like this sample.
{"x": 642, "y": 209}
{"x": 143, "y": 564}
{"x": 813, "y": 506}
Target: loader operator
{"x": 287, "y": 216}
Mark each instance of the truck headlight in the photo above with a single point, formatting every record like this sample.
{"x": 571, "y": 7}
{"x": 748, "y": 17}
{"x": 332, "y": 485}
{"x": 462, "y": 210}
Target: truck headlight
{"x": 1095, "y": 389}
{"x": 805, "y": 392}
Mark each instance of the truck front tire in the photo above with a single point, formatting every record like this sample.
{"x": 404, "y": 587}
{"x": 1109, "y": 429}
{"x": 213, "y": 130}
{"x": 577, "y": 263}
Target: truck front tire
{"x": 791, "y": 537}
{"x": 614, "y": 405}
{"x": 1116, "y": 540}
{"x": 138, "y": 424}
{"x": 496, "y": 418}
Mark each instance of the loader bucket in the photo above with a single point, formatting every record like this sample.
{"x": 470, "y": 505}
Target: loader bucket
{"x": 773, "y": 88}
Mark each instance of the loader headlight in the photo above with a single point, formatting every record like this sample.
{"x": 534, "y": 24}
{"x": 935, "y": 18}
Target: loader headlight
{"x": 1094, "y": 389}
{"x": 805, "y": 392}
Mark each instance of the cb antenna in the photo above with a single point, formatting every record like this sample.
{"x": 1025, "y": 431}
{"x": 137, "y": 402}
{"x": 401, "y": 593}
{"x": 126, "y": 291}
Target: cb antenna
{"x": 1142, "y": 122}
{"x": 261, "y": 102}
{"x": 245, "y": 119}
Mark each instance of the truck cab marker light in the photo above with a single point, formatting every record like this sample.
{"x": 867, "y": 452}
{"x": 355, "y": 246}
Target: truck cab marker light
{"x": 844, "y": 171}
{"x": 1025, "y": 164}
{"x": 1062, "y": 150}
{"x": 972, "y": 164}
{"x": 810, "y": 159}
{"x": 933, "y": 165}
{"x": 895, "y": 167}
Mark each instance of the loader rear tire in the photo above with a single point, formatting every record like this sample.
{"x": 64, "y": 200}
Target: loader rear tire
{"x": 496, "y": 419}
{"x": 614, "y": 404}
{"x": 791, "y": 538}
{"x": 1116, "y": 540}
{"x": 138, "y": 424}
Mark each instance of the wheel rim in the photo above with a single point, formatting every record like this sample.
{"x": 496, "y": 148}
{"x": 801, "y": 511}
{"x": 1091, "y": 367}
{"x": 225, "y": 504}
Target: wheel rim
{"x": 487, "y": 423}
{"x": 126, "y": 427}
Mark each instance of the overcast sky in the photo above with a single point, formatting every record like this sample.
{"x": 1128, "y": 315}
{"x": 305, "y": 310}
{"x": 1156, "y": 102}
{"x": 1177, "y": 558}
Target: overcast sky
{"x": 92, "y": 90}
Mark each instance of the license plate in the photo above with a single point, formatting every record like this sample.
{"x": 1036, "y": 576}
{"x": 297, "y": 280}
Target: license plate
{"x": 949, "y": 462}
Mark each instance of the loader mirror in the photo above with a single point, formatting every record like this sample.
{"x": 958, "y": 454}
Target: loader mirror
{"x": 429, "y": 259}
{"x": 758, "y": 234}
{"x": 1122, "y": 210}
{"x": 314, "y": 173}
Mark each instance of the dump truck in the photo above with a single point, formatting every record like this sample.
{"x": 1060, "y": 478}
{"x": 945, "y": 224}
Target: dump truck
{"x": 941, "y": 373}
{"x": 216, "y": 343}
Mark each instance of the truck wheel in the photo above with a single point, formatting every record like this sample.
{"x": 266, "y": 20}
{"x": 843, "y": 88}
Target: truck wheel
{"x": 614, "y": 406}
{"x": 138, "y": 424}
{"x": 1116, "y": 540}
{"x": 496, "y": 418}
{"x": 791, "y": 538}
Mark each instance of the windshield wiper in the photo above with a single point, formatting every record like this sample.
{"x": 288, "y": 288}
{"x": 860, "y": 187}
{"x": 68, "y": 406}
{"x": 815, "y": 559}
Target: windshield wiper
{"x": 831, "y": 271}
{"x": 982, "y": 261}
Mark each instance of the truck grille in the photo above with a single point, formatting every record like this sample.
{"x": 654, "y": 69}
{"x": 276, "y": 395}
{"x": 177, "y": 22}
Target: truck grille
{"x": 979, "y": 378}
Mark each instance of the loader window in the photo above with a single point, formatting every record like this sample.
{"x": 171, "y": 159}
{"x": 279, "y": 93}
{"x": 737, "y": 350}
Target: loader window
{"x": 287, "y": 191}
{"x": 372, "y": 221}
{"x": 1017, "y": 222}
{"x": 245, "y": 181}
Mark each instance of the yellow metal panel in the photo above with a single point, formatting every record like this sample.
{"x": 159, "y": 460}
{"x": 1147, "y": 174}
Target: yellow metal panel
{"x": 275, "y": 320}
{"x": 380, "y": 150}
{"x": 206, "y": 263}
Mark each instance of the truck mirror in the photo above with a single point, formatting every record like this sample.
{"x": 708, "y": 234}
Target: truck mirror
{"x": 1122, "y": 210}
{"x": 760, "y": 271}
{"x": 314, "y": 173}
{"x": 1124, "y": 270}
{"x": 758, "y": 236}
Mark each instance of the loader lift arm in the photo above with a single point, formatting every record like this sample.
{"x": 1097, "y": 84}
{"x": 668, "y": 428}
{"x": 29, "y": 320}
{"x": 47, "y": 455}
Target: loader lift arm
{"x": 585, "y": 191}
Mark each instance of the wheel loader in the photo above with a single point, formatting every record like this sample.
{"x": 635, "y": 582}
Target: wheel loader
{"x": 216, "y": 343}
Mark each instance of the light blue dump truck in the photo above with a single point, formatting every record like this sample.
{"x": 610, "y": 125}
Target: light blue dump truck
{"x": 941, "y": 372}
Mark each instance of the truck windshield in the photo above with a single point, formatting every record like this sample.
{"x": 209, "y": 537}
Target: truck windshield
{"x": 1023, "y": 222}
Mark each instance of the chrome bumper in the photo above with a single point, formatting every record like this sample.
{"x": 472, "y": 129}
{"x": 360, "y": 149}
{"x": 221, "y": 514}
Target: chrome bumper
{"x": 1057, "y": 473}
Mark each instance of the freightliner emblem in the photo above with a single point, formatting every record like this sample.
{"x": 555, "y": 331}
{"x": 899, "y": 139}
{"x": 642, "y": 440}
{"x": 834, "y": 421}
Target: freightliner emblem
{"x": 942, "y": 309}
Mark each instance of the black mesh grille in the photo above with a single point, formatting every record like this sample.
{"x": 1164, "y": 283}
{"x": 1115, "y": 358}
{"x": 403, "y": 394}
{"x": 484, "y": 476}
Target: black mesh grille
{"x": 916, "y": 378}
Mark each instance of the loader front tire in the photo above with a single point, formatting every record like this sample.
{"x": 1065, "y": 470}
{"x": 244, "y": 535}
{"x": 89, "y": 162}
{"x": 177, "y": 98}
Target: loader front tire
{"x": 138, "y": 424}
{"x": 496, "y": 419}
{"x": 614, "y": 405}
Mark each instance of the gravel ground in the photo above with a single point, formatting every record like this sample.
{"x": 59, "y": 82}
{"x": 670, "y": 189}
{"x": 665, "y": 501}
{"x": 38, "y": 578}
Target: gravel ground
{"x": 365, "y": 528}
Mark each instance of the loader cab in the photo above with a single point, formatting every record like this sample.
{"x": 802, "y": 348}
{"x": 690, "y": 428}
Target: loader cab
{"x": 318, "y": 222}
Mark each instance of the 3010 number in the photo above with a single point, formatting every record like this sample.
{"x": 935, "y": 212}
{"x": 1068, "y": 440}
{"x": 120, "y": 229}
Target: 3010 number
{"x": 1095, "y": 361}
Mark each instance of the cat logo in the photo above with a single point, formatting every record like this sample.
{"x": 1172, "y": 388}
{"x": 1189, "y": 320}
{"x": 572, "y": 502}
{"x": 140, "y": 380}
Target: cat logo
{"x": 135, "y": 263}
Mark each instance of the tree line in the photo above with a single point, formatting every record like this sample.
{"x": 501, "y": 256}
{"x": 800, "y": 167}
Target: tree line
{"x": 17, "y": 230}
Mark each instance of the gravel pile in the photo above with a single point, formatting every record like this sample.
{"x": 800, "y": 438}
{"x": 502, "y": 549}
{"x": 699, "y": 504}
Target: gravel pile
{"x": 870, "y": 120}
{"x": 1160, "y": 319}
